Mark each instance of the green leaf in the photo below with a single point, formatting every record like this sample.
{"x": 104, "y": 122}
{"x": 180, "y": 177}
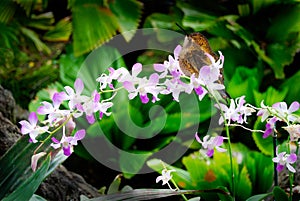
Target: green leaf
{"x": 137, "y": 160}
{"x": 195, "y": 199}
{"x": 289, "y": 84}
{"x": 40, "y": 46}
{"x": 244, "y": 82}
{"x": 160, "y": 21}
{"x": 143, "y": 194}
{"x": 115, "y": 185}
{"x": 7, "y": 10}
{"x": 61, "y": 31}
{"x": 265, "y": 145}
{"x": 92, "y": 26}
{"x": 258, "y": 197}
{"x": 243, "y": 187}
{"x": 42, "y": 21}
{"x": 37, "y": 198}
{"x": 280, "y": 194}
{"x": 27, "y": 5}
{"x": 282, "y": 55}
{"x": 270, "y": 97}
{"x": 29, "y": 186}
{"x": 257, "y": 5}
{"x": 194, "y": 18}
{"x": 15, "y": 163}
{"x": 69, "y": 67}
{"x": 180, "y": 176}
{"x": 284, "y": 26}
{"x": 128, "y": 15}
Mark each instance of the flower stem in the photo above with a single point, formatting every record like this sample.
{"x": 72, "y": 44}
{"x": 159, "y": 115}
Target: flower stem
{"x": 229, "y": 147}
{"x": 274, "y": 153}
{"x": 52, "y": 132}
{"x": 176, "y": 186}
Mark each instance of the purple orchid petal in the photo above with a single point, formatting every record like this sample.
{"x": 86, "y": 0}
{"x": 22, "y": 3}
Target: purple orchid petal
{"x": 290, "y": 168}
{"x": 292, "y": 158}
{"x": 46, "y": 108}
{"x": 78, "y": 85}
{"x": 70, "y": 126}
{"x": 33, "y": 119}
{"x": 154, "y": 78}
{"x": 199, "y": 90}
{"x": 205, "y": 71}
{"x": 177, "y": 51}
{"x": 218, "y": 141}
{"x": 96, "y": 96}
{"x": 294, "y": 107}
{"x": 210, "y": 152}
{"x": 25, "y": 127}
{"x": 90, "y": 118}
{"x": 80, "y": 134}
{"x": 129, "y": 86}
{"x": 279, "y": 167}
{"x": 67, "y": 150}
{"x": 159, "y": 67}
{"x": 144, "y": 98}
{"x": 136, "y": 69}
{"x": 57, "y": 99}
{"x": 69, "y": 91}
{"x": 111, "y": 86}
{"x": 111, "y": 70}
{"x": 55, "y": 140}
{"x": 79, "y": 107}
{"x": 267, "y": 133}
{"x": 197, "y": 138}
{"x": 100, "y": 115}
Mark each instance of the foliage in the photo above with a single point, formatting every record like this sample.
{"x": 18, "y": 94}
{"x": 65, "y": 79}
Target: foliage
{"x": 18, "y": 181}
{"x": 259, "y": 38}
{"x": 214, "y": 172}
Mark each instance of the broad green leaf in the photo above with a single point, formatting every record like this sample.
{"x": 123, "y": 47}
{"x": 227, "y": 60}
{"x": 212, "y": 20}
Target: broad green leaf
{"x": 92, "y": 26}
{"x": 131, "y": 162}
{"x": 257, "y": 5}
{"x": 243, "y": 187}
{"x": 42, "y": 21}
{"x": 224, "y": 197}
{"x": 244, "y": 82}
{"x": 284, "y": 27}
{"x": 128, "y": 15}
{"x": 40, "y": 46}
{"x": 279, "y": 194}
{"x": 180, "y": 176}
{"x": 258, "y": 197}
{"x": 115, "y": 185}
{"x": 248, "y": 38}
{"x": 195, "y": 199}
{"x": 30, "y": 185}
{"x": 143, "y": 194}
{"x": 270, "y": 97}
{"x": 282, "y": 55}
{"x": 26, "y": 5}
{"x": 289, "y": 84}
{"x": 69, "y": 67}
{"x": 194, "y": 18}
{"x": 265, "y": 145}
{"x": 7, "y": 10}
{"x": 15, "y": 163}
{"x": 61, "y": 31}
